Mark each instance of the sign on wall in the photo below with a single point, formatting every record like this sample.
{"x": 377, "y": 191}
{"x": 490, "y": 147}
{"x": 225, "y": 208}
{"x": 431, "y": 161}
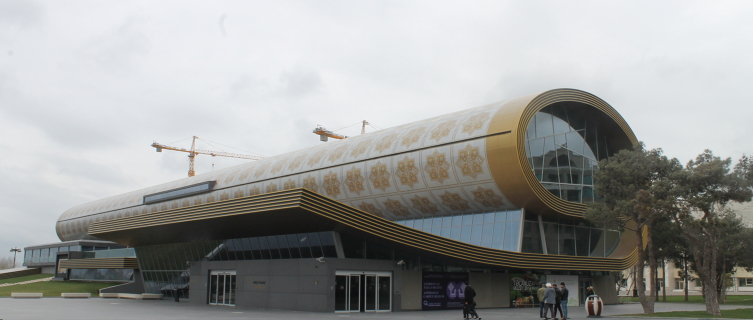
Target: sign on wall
{"x": 524, "y": 287}
{"x": 443, "y": 290}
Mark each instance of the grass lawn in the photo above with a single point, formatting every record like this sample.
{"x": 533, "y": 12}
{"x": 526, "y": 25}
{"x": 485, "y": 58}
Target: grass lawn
{"x": 25, "y": 278}
{"x": 55, "y": 288}
{"x": 737, "y": 300}
{"x": 734, "y": 314}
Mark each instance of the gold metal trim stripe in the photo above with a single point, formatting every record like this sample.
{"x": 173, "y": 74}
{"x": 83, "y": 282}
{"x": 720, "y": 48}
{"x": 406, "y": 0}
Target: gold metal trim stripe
{"x": 513, "y": 172}
{"x": 100, "y": 263}
{"x": 364, "y": 222}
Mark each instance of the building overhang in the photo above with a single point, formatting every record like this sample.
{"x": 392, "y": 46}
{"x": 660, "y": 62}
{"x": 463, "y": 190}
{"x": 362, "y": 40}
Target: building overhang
{"x": 301, "y": 210}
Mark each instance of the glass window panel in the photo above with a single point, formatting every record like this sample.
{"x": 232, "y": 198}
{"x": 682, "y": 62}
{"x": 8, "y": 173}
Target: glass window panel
{"x": 436, "y": 231}
{"x": 531, "y": 237}
{"x": 588, "y": 194}
{"x": 418, "y": 224}
{"x": 437, "y": 222}
{"x": 513, "y": 215}
{"x": 353, "y": 247}
{"x": 246, "y": 245}
{"x": 551, "y": 235}
{"x": 274, "y": 248}
{"x": 427, "y": 224}
{"x": 377, "y": 252}
{"x": 476, "y": 234}
{"x": 581, "y": 241}
{"x": 486, "y": 235}
{"x": 264, "y": 245}
{"x": 316, "y": 245}
{"x": 447, "y": 221}
{"x": 467, "y": 219}
{"x": 303, "y": 244}
{"x": 445, "y": 232}
{"x": 563, "y": 164}
{"x": 567, "y": 240}
{"x": 543, "y": 124}
{"x": 489, "y": 217}
{"x": 457, "y": 220}
{"x": 499, "y": 234}
{"x": 549, "y": 171}
{"x": 597, "y": 242}
{"x": 238, "y": 246}
{"x": 282, "y": 243}
{"x": 512, "y": 236}
{"x": 531, "y": 129}
{"x": 500, "y": 216}
{"x": 559, "y": 117}
{"x": 409, "y": 223}
{"x": 455, "y": 233}
{"x": 295, "y": 252}
{"x": 536, "y": 149}
{"x": 465, "y": 234}
{"x": 328, "y": 244}
{"x": 478, "y": 218}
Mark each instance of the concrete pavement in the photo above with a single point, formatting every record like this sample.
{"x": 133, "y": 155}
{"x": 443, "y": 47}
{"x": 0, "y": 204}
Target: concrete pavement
{"x": 121, "y": 309}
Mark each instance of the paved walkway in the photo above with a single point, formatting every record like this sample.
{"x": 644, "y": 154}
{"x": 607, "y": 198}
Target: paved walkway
{"x": 121, "y": 309}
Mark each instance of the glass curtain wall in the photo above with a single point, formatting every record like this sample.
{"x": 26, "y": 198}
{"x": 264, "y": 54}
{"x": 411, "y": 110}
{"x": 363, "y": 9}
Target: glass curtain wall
{"x": 564, "y": 147}
{"x": 165, "y": 267}
{"x": 497, "y": 230}
{"x": 568, "y": 237}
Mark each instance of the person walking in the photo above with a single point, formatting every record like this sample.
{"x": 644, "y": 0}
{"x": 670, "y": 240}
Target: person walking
{"x": 563, "y": 302}
{"x": 589, "y": 292}
{"x": 557, "y": 301}
{"x": 549, "y": 299}
{"x": 469, "y": 308}
{"x": 540, "y": 295}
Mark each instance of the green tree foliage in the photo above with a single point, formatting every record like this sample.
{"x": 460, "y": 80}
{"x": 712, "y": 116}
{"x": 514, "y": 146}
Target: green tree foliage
{"x": 703, "y": 189}
{"x": 635, "y": 187}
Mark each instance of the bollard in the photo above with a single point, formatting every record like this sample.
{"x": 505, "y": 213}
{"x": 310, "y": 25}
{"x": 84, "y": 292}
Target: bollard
{"x": 594, "y": 305}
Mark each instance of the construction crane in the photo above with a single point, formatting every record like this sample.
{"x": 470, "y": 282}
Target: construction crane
{"x": 193, "y": 152}
{"x": 325, "y": 134}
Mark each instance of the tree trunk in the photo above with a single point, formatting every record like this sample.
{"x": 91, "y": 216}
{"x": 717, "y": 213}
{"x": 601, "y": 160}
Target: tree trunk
{"x": 685, "y": 274}
{"x": 648, "y": 306}
{"x": 707, "y": 271}
{"x": 664, "y": 275}
{"x": 652, "y": 268}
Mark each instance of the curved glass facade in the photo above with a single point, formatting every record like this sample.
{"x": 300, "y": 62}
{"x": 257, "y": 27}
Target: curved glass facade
{"x": 564, "y": 146}
{"x": 497, "y": 230}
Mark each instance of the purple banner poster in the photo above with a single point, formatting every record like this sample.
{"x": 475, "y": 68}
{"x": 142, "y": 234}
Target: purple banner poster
{"x": 443, "y": 290}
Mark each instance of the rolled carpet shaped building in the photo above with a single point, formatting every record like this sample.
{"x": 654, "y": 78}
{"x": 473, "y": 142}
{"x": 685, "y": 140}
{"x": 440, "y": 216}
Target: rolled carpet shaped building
{"x": 499, "y": 189}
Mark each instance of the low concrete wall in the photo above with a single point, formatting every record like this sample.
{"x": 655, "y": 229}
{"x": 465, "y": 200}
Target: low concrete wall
{"x": 604, "y": 286}
{"x": 19, "y": 272}
{"x": 492, "y": 289}
{"x": 135, "y": 286}
{"x": 290, "y": 284}
{"x": 411, "y": 295}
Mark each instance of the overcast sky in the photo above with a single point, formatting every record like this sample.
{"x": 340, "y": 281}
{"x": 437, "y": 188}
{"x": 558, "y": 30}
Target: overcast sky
{"x": 86, "y": 86}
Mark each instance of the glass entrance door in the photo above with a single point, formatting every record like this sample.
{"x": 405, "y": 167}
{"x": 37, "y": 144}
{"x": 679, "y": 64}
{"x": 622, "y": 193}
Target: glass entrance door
{"x": 222, "y": 287}
{"x": 358, "y": 291}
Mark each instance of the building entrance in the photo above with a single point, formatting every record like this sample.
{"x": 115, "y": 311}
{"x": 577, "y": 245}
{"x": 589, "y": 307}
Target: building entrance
{"x": 363, "y": 291}
{"x": 222, "y": 287}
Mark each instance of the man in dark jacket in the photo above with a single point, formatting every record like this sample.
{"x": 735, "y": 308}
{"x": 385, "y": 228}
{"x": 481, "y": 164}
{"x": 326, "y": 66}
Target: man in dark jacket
{"x": 469, "y": 308}
{"x": 557, "y": 301}
{"x": 565, "y": 296}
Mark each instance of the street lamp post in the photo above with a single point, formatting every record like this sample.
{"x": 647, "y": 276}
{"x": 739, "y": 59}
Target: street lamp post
{"x": 15, "y": 250}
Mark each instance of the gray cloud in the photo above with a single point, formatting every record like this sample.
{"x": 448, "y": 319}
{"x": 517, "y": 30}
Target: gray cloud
{"x": 89, "y": 85}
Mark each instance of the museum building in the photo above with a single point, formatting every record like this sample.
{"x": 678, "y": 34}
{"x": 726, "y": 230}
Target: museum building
{"x": 397, "y": 219}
